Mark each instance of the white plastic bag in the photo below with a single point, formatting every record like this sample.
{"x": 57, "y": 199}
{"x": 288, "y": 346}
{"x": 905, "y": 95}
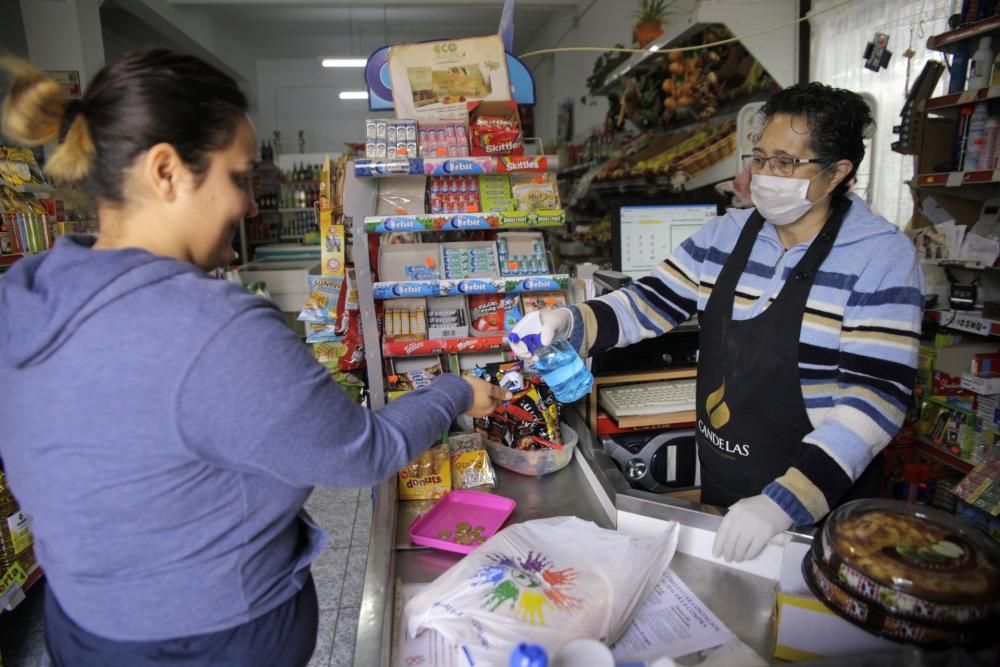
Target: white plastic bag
{"x": 544, "y": 582}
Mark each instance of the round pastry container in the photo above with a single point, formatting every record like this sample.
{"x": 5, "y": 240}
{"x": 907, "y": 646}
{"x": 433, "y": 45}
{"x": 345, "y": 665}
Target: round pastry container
{"x": 906, "y": 572}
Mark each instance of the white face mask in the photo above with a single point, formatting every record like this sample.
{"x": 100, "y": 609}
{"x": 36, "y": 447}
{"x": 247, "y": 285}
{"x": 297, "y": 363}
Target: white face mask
{"x": 781, "y": 200}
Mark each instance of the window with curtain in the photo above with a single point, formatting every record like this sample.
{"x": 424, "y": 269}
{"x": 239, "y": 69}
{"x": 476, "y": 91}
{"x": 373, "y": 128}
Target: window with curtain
{"x": 838, "y": 43}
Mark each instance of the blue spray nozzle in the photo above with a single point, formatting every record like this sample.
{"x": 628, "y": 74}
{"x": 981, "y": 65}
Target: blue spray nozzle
{"x": 531, "y": 341}
{"x": 528, "y": 655}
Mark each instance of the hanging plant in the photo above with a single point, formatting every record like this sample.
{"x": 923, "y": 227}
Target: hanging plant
{"x": 649, "y": 19}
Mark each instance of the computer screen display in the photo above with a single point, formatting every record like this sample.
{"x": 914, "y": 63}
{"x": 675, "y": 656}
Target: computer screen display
{"x": 646, "y": 232}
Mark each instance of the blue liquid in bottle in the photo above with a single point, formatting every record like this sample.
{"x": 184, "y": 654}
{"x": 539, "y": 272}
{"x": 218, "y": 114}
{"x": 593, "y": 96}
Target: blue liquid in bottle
{"x": 560, "y": 366}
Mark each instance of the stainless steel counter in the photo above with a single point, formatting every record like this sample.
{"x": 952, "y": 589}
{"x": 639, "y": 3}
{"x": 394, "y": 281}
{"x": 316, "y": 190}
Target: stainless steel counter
{"x": 590, "y": 488}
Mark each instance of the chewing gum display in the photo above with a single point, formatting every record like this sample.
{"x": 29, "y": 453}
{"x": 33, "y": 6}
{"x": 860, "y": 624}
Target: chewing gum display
{"x": 470, "y": 259}
{"x": 389, "y": 139}
{"x": 453, "y": 194}
{"x": 427, "y": 477}
{"x": 522, "y": 254}
{"x": 494, "y": 193}
{"x": 404, "y": 322}
{"x": 447, "y": 139}
{"x": 530, "y": 420}
{"x": 534, "y": 192}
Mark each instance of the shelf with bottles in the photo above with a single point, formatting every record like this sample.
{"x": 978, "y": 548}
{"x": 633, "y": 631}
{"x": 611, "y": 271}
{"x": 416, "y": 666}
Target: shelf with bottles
{"x": 456, "y": 166}
{"x": 444, "y": 222}
{"x": 947, "y": 41}
{"x": 953, "y": 101}
{"x": 965, "y": 321}
{"x": 943, "y": 455}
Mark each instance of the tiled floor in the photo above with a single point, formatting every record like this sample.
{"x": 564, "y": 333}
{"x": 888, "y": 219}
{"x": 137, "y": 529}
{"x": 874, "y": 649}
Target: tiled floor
{"x": 338, "y": 573}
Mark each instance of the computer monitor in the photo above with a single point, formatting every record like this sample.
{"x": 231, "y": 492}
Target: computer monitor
{"x": 646, "y": 231}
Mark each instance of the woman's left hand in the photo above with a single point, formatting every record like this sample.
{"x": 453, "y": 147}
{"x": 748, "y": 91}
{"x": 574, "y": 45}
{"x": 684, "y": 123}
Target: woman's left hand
{"x": 747, "y": 527}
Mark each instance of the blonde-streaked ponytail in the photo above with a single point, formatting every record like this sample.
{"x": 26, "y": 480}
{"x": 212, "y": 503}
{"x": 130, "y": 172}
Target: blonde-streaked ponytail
{"x": 34, "y": 111}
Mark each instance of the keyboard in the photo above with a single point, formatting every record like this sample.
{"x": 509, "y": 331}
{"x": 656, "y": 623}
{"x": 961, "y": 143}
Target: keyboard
{"x": 648, "y": 398}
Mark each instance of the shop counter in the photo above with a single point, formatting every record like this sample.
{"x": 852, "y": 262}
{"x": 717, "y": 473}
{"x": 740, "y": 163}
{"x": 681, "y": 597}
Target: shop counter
{"x": 591, "y": 488}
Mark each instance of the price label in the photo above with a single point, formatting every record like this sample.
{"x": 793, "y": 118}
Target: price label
{"x": 967, "y": 96}
{"x": 972, "y": 325}
{"x": 955, "y": 179}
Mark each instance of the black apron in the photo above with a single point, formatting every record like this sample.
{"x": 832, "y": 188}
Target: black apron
{"x": 751, "y": 416}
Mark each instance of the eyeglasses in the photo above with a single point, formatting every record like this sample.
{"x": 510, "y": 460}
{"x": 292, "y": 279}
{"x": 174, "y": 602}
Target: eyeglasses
{"x": 781, "y": 165}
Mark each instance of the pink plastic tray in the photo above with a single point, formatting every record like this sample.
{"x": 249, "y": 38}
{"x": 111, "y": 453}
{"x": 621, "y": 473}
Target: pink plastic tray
{"x": 475, "y": 508}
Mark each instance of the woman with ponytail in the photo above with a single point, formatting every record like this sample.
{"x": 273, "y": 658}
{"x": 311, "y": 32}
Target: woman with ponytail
{"x": 162, "y": 428}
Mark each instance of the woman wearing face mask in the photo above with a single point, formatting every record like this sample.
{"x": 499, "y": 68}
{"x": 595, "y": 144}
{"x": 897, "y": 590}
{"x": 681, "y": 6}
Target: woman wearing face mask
{"x": 809, "y": 307}
{"x": 163, "y": 428}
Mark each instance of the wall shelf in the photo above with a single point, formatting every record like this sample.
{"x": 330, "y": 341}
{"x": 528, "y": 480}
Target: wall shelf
{"x": 942, "y": 455}
{"x": 456, "y": 166}
{"x": 955, "y": 100}
{"x": 965, "y": 321}
{"x": 945, "y": 40}
{"x": 406, "y": 289}
{"x": 423, "y": 348}
{"x": 445, "y": 222}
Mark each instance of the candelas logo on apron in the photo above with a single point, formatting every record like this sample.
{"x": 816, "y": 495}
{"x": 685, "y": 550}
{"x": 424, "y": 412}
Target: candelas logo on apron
{"x": 719, "y": 416}
{"x": 716, "y": 408}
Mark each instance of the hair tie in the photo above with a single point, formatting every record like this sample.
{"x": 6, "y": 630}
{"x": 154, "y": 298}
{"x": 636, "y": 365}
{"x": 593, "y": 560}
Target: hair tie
{"x": 73, "y": 109}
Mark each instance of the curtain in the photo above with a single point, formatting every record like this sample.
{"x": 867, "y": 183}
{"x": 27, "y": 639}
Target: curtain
{"x": 838, "y": 44}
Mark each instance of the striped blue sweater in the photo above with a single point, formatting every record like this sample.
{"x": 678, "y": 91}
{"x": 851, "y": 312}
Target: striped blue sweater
{"x": 857, "y": 347}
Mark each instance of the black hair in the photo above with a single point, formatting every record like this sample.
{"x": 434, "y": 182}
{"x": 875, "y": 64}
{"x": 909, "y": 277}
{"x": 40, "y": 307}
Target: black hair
{"x": 144, "y": 98}
{"x": 837, "y": 121}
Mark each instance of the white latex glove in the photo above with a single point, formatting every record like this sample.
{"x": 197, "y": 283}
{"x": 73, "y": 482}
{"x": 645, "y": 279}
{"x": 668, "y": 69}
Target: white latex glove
{"x": 747, "y": 527}
{"x": 547, "y": 324}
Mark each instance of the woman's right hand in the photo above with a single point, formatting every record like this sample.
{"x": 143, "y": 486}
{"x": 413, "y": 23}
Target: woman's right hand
{"x": 486, "y": 397}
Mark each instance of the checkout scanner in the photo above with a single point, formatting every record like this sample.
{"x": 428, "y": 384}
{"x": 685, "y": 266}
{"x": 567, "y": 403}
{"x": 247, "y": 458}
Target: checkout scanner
{"x": 657, "y": 461}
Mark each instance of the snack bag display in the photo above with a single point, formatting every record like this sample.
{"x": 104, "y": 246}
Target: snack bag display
{"x": 530, "y": 420}
{"x": 470, "y": 462}
{"x": 321, "y": 304}
{"x": 427, "y": 477}
{"x": 414, "y": 379}
{"x": 349, "y": 324}
{"x": 495, "y": 128}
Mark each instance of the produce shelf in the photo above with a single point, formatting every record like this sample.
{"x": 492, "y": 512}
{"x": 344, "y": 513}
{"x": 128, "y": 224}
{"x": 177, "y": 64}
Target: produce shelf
{"x": 946, "y": 39}
{"x": 456, "y": 166}
{"x": 32, "y": 188}
{"x": 406, "y": 289}
{"x": 941, "y": 454}
{"x": 422, "y": 348}
{"x": 444, "y": 222}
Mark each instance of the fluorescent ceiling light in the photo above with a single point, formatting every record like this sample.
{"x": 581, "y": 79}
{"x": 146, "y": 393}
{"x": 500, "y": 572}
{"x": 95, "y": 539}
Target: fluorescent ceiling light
{"x": 353, "y": 95}
{"x": 345, "y": 62}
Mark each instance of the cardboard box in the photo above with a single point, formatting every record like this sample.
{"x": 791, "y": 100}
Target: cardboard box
{"x": 988, "y": 385}
{"x": 498, "y": 140}
{"x": 806, "y": 629}
{"x": 409, "y": 261}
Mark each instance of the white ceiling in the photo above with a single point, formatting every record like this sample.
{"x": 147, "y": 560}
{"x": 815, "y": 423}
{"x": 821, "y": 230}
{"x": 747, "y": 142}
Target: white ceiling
{"x": 316, "y": 28}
